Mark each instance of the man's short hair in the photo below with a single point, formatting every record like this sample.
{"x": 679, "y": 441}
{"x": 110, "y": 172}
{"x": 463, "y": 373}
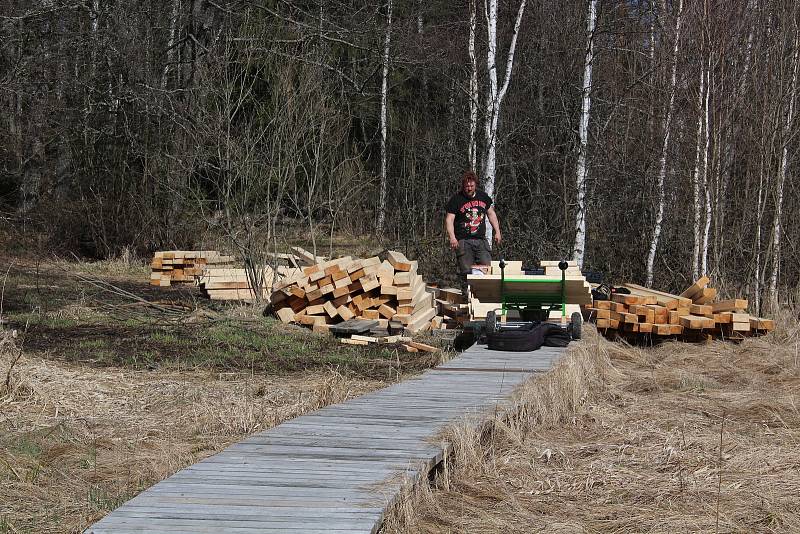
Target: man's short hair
{"x": 469, "y": 176}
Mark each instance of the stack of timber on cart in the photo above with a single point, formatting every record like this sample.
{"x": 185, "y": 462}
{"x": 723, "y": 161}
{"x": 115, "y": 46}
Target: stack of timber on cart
{"x": 183, "y": 266}
{"x": 389, "y": 292}
{"x": 694, "y": 315}
{"x": 520, "y": 290}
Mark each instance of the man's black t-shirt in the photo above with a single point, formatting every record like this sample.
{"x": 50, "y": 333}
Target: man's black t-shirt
{"x": 470, "y": 222}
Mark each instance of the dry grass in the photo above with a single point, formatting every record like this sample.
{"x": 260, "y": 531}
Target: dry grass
{"x": 620, "y": 439}
{"x": 77, "y": 441}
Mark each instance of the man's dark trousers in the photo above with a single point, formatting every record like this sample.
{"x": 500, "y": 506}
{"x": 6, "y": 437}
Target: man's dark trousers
{"x": 471, "y": 252}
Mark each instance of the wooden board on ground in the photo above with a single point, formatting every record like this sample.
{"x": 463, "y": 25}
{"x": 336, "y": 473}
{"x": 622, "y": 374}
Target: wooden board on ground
{"x": 353, "y": 326}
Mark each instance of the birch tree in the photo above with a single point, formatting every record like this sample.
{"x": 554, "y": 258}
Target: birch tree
{"x": 705, "y": 182}
{"x": 662, "y": 166}
{"x": 384, "y": 100}
{"x": 781, "y": 180}
{"x": 696, "y": 205}
{"x": 583, "y": 132}
{"x": 472, "y": 150}
{"x": 171, "y": 43}
{"x": 495, "y": 94}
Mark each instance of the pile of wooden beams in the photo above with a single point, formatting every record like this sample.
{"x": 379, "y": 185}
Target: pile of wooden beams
{"x": 452, "y": 308}
{"x": 330, "y": 292}
{"x": 233, "y": 284}
{"x": 694, "y": 315}
{"x": 183, "y": 266}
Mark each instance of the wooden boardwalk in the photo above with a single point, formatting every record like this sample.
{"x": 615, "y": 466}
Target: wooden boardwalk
{"x": 333, "y": 470}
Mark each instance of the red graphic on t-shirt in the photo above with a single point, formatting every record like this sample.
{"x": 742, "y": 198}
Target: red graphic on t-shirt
{"x": 474, "y": 211}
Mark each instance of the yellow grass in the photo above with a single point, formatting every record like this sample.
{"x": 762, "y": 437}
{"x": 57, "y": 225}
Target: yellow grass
{"x": 680, "y": 438}
{"x": 77, "y": 441}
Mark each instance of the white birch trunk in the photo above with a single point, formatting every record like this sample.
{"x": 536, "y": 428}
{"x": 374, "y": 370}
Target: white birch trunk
{"x": 696, "y": 180}
{"x": 662, "y": 171}
{"x": 173, "y": 31}
{"x": 491, "y": 99}
{"x": 384, "y": 98}
{"x": 759, "y": 217}
{"x": 706, "y": 185}
{"x": 776, "y": 224}
{"x": 473, "y": 89}
{"x": 420, "y": 31}
{"x": 583, "y": 132}
{"x": 495, "y": 95}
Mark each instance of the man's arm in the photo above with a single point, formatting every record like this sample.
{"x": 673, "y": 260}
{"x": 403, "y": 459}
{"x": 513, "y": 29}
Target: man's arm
{"x": 498, "y": 237}
{"x": 449, "y": 220}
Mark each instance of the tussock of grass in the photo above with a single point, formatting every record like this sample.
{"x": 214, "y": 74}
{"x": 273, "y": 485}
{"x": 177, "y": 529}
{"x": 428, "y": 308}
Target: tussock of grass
{"x": 622, "y": 439}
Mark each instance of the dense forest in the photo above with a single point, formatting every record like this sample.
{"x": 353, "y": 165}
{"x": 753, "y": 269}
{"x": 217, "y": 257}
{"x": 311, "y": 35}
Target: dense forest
{"x": 652, "y": 140}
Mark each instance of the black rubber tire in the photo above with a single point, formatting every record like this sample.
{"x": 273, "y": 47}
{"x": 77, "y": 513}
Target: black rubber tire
{"x": 491, "y": 322}
{"x": 576, "y": 321}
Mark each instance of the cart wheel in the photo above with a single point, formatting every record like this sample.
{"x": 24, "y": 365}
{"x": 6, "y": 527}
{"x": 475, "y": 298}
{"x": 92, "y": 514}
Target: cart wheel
{"x": 491, "y": 322}
{"x": 576, "y": 321}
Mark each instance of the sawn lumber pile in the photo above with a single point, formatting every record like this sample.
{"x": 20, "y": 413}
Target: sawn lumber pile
{"x": 234, "y": 283}
{"x": 183, "y": 266}
{"x": 694, "y": 315}
{"x": 334, "y": 291}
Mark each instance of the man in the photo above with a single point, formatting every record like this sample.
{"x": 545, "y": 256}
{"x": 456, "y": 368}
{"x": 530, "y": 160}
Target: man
{"x": 465, "y": 222}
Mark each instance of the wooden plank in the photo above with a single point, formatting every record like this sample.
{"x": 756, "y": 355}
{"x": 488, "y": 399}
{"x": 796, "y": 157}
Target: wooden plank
{"x": 353, "y": 326}
{"x": 344, "y": 312}
{"x": 696, "y": 322}
{"x": 701, "y": 309}
{"x": 645, "y": 327}
{"x": 633, "y": 299}
{"x": 758, "y": 323}
{"x": 662, "y": 329}
{"x": 705, "y": 295}
{"x": 607, "y": 323}
{"x": 423, "y": 346}
{"x": 667, "y": 300}
{"x": 625, "y": 317}
{"x": 286, "y": 315}
{"x": 399, "y": 261}
{"x": 421, "y": 321}
{"x": 316, "y": 309}
{"x": 386, "y": 311}
{"x": 598, "y": 313}
{"x": 330, "y": 309}
{"x": 695, "y": 288}
{"x": 730, "y": 305}
{"x": 371, "y": 314}
{"x": 368, "y": 339}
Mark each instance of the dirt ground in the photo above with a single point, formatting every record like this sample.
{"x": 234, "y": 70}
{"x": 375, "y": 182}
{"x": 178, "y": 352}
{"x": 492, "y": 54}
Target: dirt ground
{"x": 115, "y": 385}
{"x": 677, "y": 438}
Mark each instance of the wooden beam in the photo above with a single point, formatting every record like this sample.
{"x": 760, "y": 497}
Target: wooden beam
{"x": 730, "y": 305}
{"x": 399, "y": 261}
{"x": 695, "y": 288}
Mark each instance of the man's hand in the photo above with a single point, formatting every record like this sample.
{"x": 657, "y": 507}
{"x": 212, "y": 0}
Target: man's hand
{"x": 498, "y": 237}
{"x": 453, "y": 243}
